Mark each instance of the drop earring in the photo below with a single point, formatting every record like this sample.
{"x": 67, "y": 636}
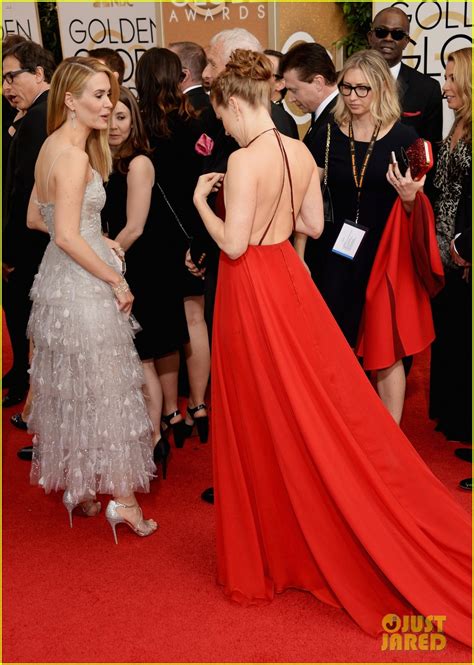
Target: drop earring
{"x": 73, "y": 119}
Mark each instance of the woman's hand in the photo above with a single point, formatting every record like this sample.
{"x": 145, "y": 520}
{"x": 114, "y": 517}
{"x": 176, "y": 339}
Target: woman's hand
{"x": 115, "y": 246}
{"x": 123, "y": 296}
{"x": 458, "y": 260}
{"x": 207, "y": 183}
{"x": 192, "y": 267}
{"x": 405, "y": 186}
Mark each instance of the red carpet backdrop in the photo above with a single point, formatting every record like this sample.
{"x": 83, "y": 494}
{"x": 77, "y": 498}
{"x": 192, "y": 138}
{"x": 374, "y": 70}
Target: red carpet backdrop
{"x": 72, "y": 595}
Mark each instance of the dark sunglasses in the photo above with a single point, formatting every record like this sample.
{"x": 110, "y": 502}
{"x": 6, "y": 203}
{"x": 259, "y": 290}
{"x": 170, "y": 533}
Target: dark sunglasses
{"x": 10, "y": 76}
{"x": 396, "y": 34}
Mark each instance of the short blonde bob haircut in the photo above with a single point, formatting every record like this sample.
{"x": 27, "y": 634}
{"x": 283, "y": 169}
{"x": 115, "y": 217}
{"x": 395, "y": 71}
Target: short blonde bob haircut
{"x": 72, "y": 76}
{"x": 385, "y": 106}
{"x": 462, "y": 76}
{"x": 247, "y": 75}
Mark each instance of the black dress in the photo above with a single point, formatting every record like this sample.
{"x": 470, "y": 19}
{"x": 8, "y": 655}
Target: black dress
{"x": 153, "y": 273}
{"x": 451, "y": 374}
{"x": 177, "y": 169}
{"x": 341, "y": 281}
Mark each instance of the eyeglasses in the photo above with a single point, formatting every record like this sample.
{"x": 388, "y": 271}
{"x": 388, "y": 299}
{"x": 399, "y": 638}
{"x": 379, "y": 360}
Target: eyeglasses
{"x": 10, "y": 76}
{"x": 397, "y": 34}
{"x": 360, "y": 90}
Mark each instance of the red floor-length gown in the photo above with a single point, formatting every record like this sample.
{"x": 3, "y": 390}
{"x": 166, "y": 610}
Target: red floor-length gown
{"x": 316, "y": 486}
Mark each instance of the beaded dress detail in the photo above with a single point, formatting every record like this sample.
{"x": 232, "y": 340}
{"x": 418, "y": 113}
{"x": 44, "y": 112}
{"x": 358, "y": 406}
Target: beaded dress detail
{"x": 92, "y": 430}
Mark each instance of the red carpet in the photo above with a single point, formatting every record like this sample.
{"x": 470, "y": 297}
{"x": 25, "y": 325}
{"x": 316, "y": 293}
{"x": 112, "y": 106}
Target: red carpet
{"x": 72, "y": 595}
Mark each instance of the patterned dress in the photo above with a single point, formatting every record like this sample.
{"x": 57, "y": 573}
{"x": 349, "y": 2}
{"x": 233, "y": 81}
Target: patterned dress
{"x": 452, "y": 167}
{"x": 89, "y": 416}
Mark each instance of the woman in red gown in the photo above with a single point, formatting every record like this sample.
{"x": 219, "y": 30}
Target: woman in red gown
{"x": 316, "y": 486}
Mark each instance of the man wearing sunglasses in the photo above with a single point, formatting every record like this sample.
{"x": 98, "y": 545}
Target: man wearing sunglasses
{"x": 27, "y": 71}
{"x": 420, "y": 95}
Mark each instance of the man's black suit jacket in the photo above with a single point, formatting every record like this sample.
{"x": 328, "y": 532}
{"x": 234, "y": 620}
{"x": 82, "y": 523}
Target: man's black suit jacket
{"x": 325, "y": 117}
{"x": 422, "y": 104}
{"x": 22, "y": 246}
{"x": 198, "y": 98}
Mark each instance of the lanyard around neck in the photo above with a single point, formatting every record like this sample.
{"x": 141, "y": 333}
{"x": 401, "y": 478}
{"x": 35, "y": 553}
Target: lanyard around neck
{"x": 359, "y": 179}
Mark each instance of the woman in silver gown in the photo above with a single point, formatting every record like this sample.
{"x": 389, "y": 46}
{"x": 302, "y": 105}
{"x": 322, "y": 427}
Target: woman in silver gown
{"x": 92, "y": 430}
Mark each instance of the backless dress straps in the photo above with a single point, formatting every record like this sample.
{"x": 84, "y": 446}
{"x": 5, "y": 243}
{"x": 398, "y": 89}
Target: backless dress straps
{"x": 285, "y": 169}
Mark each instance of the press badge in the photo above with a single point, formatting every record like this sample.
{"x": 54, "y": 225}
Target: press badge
{"x": 349, "y": 239}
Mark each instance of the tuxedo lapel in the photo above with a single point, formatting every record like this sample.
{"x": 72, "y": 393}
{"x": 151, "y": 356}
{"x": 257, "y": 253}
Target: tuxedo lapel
{"x": 321, "y": 121}
{"x": 403, "y": 81}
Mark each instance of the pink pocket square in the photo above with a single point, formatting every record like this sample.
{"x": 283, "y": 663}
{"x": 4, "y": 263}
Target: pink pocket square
{"x": 410, "y": 114}
{"x": 204, "y": 145}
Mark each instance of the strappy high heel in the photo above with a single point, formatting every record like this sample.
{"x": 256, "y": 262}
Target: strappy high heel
{"x": 201, "y": 422}
{"x": 179, "y": 430}
{"x": 142, "y": 528}
{"x": 90, "y": 508}
{"x": 161, "y": 453}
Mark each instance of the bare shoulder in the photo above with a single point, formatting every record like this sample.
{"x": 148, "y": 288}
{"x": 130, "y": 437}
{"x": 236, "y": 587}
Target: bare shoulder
{"x": 239, "y": 157}
{"x": 72, "y": 160}
{"x": 141, "y": 165}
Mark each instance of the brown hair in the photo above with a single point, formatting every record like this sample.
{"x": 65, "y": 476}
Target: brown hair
{"x": 309, "y": 60}
{"x": 247, "y": 75}
{"x": 385, "y": 106}
{"x": 137, "y": 142}
{"x": 462, "y": 76}
{"x": 31, "y": 55}
{"x": 157, "y": 79}
{"x": 112, "y": 59}
{"x": 192, "y": 56}
{"x": 72, "y": 76}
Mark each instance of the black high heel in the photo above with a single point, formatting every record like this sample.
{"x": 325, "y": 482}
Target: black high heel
{"x": 179, "y": 431}
{"x": 201, "y": 422}
{"x": 161, "y": 453}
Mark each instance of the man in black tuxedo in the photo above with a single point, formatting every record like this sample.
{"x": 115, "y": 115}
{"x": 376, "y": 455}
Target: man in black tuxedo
{"x": 193, "y": 61}
{"x": 310, "y": 78}
{"x": 420, "y": 95}
{"x": 27, "y": 72}
{"x": 279, "y": 91}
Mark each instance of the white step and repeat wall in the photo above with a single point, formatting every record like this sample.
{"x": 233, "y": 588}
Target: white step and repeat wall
{"x": 21, "y": 18}
{"x": 128, "y": 27}
{"x": 437, "y": 28}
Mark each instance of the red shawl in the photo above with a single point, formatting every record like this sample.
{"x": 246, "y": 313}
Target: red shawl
{"x": 407, "y": 271}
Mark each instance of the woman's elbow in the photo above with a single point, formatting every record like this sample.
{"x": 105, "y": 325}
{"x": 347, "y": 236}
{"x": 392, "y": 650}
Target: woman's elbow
{"x": 62, "y": 241}
{"x": 234, "y": 252}
{"x": 316, "y": 231}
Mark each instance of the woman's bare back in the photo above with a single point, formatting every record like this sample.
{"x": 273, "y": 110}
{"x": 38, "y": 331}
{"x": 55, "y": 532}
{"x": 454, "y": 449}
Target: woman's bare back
{"x": 268, "y": 170}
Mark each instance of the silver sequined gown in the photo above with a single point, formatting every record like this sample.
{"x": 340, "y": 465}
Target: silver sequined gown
{"x": 89, "y": 416}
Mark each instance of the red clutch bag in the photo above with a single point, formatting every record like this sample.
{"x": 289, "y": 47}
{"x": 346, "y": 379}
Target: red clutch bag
{"x": 419, "y": 158}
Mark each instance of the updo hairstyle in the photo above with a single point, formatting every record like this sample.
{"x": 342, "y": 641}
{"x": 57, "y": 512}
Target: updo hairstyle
{"x": 247, "y": 75}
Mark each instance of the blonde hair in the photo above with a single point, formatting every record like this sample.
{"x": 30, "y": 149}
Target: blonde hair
{"x": 72, "y": 76}
{"x": 385, "y": 105}
{"x": 462, "y": 73}
{"x": 247, "y": 75}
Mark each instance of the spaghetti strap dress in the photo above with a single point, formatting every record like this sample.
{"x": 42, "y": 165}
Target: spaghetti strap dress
{"x": 93, "y": 434}
{"x": 316, "y": 486}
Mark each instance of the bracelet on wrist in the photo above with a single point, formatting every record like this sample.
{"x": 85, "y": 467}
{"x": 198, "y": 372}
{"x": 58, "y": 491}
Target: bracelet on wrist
{"x": 121, "y": 287}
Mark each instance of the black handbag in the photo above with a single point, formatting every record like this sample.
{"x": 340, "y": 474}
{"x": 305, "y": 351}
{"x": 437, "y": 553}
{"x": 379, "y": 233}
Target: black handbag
{"x": 196, "y": 247}
{"x": 325, "y": 191}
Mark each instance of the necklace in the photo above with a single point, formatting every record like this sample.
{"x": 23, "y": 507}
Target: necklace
{"x": 272, "y": 129}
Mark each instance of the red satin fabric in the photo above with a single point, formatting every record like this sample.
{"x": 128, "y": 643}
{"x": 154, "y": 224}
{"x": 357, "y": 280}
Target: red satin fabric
{"x": 407, "y": 270}
{"x": 316, "y": 486}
